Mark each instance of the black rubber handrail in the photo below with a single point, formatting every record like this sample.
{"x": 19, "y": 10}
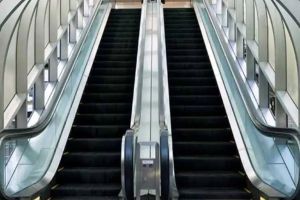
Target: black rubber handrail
{"x": 128, "y": 165}
{"x": 164, "y": 165}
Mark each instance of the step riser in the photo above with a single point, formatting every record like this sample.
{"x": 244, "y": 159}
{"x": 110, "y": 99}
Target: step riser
{"x": 88, "y": 160}
{"x": 88, "y": 177}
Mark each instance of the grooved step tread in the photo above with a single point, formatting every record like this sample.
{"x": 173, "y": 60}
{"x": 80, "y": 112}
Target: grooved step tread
{"x": 90, "y": 166}
{"x": 207, "y": 165}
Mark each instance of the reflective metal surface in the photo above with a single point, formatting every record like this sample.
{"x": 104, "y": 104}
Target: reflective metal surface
{"x": 164, "y": 105}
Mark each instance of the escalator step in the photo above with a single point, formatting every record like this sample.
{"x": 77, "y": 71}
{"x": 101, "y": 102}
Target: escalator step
{"x": 89, "y": 175}
{"x": 197, "y": 110}
{"x": 90, "y": 168}
{"x": 107, "y": 88}
{"x": 214, "y": 193}
{"x": 111, "y": 79}
{"x": 190, "y": 72}
{"x": 107, "y": 98}
{"x": 103, "y": 131}
{"x": 114, "y": 59}
{"x": 97, "y": 119}
{"x": 88, "y": 189}
{"x": 190, "y": 90}
{"x": 72, "y": 197}
{"x": 196, "y": 100}
{"x": 104, "y": 108}
{"x": 202, "y": 135}
{"x": 91, "y": 159}
{"x": 95, "y": 145}
{"x": 117, "y": 71}
{"x": 205, "y": 81}
{"x": 209, "y": 179}
{"x": 207, "y": 164}
{"x": 204, "y": 148}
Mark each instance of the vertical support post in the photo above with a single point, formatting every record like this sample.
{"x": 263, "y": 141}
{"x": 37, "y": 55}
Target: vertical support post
{"x": 86, "y": 8}
{"x": 53, "y": 64}
{"x": 80, "y": 17}
{"x": 21, "y": 117}
{"x": 232, "y": 29}
{"x": 39, "y": 96}
{"x": 1, "y": 117}
{"x": 224, "y": 15}
{"x": 239, "y": 8}
{"x": 281, "y": 117}
{"x": 250, "y": 31}
{"x": 250, "y": 65}
{"x": 73, "y": 28}
{"x": 263, "y": 90}
{"x": 239, "y": 45}
{"x": 219, "y": 7}
{"x": 64, "y": 54}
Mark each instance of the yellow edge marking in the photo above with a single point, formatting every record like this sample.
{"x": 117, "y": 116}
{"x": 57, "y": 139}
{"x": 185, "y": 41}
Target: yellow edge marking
{"x": 262, "y": 198}
{"x": 241, "y": 173}
{"x": 246, "y": 189}
{"x": 53, "y": 187}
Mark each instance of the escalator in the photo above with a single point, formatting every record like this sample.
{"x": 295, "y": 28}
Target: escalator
{"x": 207, "y": 163}
{"x": 91, "y": 164}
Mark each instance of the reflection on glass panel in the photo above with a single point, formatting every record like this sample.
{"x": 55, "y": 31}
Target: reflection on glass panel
{"x": 292, "y": 75}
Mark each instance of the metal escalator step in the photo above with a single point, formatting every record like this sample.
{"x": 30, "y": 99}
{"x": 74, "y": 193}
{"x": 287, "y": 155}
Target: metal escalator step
{"x": 91, "y": 159}
{"x": 210, "y": 179}
{"x": 102, "y": 131}
{"x": 87, "y": 190}
{"x": 91, "y": 175}
{"x": 215, "y": 193}
{"x": 206, "y": 159}
{"x": 90, "y": 167}
{"x": 102, "y": 108}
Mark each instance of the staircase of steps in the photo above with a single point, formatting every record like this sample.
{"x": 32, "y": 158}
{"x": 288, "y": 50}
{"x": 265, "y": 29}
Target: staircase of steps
{"x": 90, "y": 167}
{"x": 207, "y": 164}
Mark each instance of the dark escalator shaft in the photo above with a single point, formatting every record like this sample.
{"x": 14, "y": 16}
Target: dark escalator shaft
{"x": 90, "y": 167}
{"x": 207, "y": 164}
